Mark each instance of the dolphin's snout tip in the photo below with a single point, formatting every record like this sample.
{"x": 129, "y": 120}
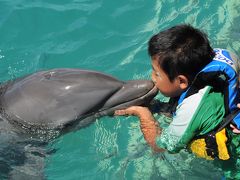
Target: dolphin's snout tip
{"x": 145, "y": 84}
{"x": 142, "y": 87}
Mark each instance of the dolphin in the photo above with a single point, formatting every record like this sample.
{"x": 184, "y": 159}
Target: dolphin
{"x": 66, "y": 99}
{"x": 40, "y": 107}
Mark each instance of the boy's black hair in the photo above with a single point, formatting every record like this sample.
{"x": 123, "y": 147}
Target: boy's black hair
{"x": 180, "y": 50}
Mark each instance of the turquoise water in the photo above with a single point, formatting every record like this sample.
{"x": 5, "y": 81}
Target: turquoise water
{"x": 111, "y": 37}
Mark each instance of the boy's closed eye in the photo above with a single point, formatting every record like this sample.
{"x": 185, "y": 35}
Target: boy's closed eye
{"x": 158, "y": 74}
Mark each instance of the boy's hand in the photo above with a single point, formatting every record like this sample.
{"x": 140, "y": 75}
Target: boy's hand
{"x": 234, "y": 129}
{"x": 133, "y": 110}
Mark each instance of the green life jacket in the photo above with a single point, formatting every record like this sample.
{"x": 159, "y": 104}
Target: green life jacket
{"x": 222, "y": 74}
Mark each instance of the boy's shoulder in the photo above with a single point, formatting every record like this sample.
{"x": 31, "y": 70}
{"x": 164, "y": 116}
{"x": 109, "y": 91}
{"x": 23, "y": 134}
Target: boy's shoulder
{"x": 204, "y": 110}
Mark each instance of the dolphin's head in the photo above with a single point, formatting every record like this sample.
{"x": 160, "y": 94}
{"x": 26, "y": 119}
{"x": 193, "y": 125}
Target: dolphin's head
{"x": 135, "y": 92}
{"x": 131, "y": 93}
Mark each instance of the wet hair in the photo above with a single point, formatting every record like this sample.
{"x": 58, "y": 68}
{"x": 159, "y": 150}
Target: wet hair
{"x": 181, "y": 50}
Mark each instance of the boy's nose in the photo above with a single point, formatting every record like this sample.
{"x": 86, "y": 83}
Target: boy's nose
{"x": 154, "y": 79}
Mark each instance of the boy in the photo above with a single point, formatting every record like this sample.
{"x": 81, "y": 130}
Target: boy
{"x": 178, "y": 54}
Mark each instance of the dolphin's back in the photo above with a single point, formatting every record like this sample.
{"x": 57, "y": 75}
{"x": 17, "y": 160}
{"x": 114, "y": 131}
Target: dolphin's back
{"x": 53, "y": 98}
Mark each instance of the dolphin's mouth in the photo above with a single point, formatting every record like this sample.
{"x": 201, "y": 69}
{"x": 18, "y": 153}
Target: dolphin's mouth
{"x": 87, "y": 119}
{"x": 125, "y": 97}
{"x": 144, "y": 99}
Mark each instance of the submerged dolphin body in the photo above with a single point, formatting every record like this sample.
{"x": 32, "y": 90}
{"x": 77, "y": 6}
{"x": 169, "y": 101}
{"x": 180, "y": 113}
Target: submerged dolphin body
{"x": 62, "y": 98}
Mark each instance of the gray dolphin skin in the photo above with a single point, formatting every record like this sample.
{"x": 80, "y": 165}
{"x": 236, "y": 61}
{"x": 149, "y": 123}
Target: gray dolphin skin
{"x": 62, "y": 98}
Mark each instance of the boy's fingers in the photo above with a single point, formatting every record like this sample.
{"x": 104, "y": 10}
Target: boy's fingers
{"x": 120, "y": 112}
{"x": 234, "y": 129}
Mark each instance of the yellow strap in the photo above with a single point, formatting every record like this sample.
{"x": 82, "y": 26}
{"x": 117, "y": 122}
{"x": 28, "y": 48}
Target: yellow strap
{"x": 198, "y": 147}
{"x": 221, "y": 139}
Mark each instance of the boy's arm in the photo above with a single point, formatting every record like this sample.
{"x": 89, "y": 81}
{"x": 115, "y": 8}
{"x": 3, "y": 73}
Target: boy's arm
{"x": 148, "y": 124}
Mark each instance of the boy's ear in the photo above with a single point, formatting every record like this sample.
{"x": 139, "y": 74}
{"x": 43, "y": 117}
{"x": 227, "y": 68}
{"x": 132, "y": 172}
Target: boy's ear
{"x": 183, "y": 81}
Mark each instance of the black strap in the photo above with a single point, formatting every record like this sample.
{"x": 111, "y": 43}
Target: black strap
{"x": 227, "y": 120}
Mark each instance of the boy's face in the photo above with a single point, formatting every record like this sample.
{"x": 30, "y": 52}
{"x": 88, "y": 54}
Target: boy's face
{"x": 162, "y": 82}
